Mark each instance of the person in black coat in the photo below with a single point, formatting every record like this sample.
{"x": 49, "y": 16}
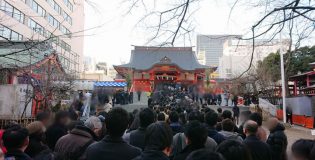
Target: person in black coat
{"x": 158, "y": 141}
{"x": 277, "y": 139}
{"x": 259, "y": 150}
{"x": 36, "y": 137}
{"x": 136, "y": 137}
{"x": 174, "y": 123}
{"x": 211, "y": 120}
{"x": 196, "y": 135}
{"x": 113, "y": 146}
{"x": 58, "y": 129}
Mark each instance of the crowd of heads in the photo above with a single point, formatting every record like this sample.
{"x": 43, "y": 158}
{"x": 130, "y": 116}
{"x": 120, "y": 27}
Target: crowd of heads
{"x": 192, "y": 133}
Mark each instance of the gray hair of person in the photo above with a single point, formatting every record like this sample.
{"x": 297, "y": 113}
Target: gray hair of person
{"x": 93, "y": 123}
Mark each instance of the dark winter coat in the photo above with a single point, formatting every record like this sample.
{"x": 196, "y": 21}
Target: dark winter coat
{"x": 137, "y": 138}
{"x": 53, "y": 134}
{"x": 73, "y": 145}
{"x": 259, "y": 150}
{"x": 152, "y": 155}
{"x": 187, "y": 150}
{"x": 176, "y": 128}
{"x": 35, "y": 146}
{"x": 112, "y": 148}
{"x": 17, "y": 155}
{"x": 278, "y": 142}
{"x": 215, "y": 135}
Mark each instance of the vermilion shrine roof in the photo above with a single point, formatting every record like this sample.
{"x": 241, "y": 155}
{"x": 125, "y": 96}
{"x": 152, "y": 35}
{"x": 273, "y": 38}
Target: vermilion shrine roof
{"x": 144, "y": 58}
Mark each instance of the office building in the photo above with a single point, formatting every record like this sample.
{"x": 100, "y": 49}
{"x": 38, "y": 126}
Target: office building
{"x": 237, "y": 55}
{"x": 210, "y": 48}
{"x": 59, "y": 23}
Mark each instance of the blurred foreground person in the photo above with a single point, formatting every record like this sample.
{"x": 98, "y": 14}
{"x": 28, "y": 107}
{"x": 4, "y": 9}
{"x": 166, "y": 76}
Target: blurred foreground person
{"x": 228, "y": 130}
{"x": 73, "y": 145}
{"x": 277, "y": 139}
{"x": 234, "y": 150}
{"x": 204, "y": 154}
{"x": 196, "y": 136}
{"x": 211, "y": 120}
{"x": 258, "y": 149}
{"x": 44, "y": 117}
{"x": 58, "y": 129}
{"x": 16, "y": 140}
{"x": 113, "y": 146}
{"x": 136, "y": 137}
{"x": 303, "y": 149}
{"x": 158, "y": 141}
{"x": 36, "y": 145}
{"x": 261, "y": 132}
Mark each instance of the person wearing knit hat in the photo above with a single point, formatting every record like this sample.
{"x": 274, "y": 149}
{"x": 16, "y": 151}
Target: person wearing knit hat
{"x": 36, "y": 132}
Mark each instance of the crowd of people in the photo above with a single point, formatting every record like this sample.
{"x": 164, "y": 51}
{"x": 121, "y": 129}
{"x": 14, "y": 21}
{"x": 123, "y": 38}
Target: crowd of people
{"x": 151, "y": 133}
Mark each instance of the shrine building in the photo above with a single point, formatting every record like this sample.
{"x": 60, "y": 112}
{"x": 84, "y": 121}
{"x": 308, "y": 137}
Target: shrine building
{"x": 150, "y": 66}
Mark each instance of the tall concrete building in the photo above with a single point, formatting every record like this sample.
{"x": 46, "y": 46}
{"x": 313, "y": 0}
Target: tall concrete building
{"x": 57, "y": 22}
{"x": 237, "y": 55}
{"x": 210, "y": 48}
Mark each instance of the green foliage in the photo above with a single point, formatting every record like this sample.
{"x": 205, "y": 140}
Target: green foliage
{"x": 299, "y": 62}
{"x": 270, "y": 66}
{"x": 295, "y": 62}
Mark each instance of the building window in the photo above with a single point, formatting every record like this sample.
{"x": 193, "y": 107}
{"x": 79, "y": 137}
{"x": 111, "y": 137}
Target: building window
{"x": 10, "y": 34}
{"x": 57, "y": 8}
{"x": 36, "y": 27}
{"x": 67, "y": 17}
{"x": 53, "y": 22}
{"x": 64, "y": 30}
{"x": 68, "y": 4}
{"x": 37, "y": 8}
{"x": 12, "y": 12}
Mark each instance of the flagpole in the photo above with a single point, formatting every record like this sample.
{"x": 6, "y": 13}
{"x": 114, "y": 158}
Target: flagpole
{"x": 283, "y": 82}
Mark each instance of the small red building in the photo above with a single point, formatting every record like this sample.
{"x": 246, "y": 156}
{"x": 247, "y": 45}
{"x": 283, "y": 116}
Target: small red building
{"x": 150, "y": 66}
{"x": 35, "y": 64}
{"x": 302, "y": 98}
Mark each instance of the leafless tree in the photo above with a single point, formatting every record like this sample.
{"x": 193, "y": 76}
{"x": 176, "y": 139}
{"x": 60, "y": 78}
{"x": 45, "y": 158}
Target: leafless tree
{"x": 293, "y": 18}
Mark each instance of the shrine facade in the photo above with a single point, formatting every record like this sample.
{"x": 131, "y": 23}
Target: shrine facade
{"x": 150, "y": 66}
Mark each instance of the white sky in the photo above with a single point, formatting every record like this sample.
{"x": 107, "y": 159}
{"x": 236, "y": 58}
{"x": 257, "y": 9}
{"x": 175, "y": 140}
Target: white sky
{"x": 112, "y": 42}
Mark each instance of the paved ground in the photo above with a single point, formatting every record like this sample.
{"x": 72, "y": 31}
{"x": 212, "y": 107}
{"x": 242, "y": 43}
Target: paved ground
{"x": 293, "y": 133}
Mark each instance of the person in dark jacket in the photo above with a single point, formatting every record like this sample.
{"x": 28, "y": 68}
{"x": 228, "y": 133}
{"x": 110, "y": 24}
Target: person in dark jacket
{"x": 259, "y": 150}
{"x": 158, "y": 141}
{"x": 303, "y": 149}
{"x": 196, "y": 135}
{"x": 234, "y": 150}
{"x": 174, "y": 123}
{"x": 136, "y": 138}
{"x": 73, "y": 145}
{"x": 211, "y": 120}
{"x": 204, "y": 154}
{"x": 36, "y": 136}
{"x": 16, "y": 140}
{"x": 113, "y": 146}
{"x": 58, "y": 129}
{"x": 236, "y": 113}
{"x": 277, "y": 139}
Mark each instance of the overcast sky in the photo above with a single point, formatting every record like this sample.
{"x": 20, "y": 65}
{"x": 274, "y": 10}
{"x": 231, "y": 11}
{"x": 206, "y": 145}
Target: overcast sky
{"x": 113, "y": 40}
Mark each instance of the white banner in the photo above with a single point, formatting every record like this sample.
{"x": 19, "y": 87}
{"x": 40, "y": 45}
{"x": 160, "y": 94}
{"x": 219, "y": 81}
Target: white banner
{"x": 267, "y": 106}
